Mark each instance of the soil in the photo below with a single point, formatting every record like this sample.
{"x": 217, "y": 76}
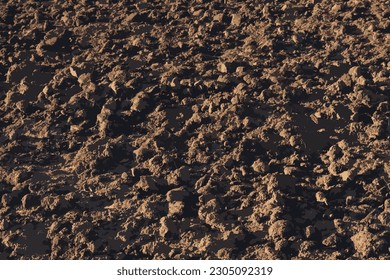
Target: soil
{"x": 194, "y": 129}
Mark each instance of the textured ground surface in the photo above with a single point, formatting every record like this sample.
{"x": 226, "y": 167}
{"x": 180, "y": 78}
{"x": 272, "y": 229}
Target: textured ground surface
{"x": 194, "y": 129}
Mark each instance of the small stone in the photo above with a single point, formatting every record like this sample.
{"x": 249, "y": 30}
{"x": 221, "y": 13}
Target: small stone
{"x": 240, "y": 89}
{"x": 135, "y": 172}
{"x": 340, "y": 86}
{"x": 320, "y": 197}
{"x": 90, "y": 88}
{"x": 74, "y": 72}
{"x": 12, "y": 74}
{"x": 223, "y": 67}
{"x": 243, "y": 170}
{"x": 236, "y": 19}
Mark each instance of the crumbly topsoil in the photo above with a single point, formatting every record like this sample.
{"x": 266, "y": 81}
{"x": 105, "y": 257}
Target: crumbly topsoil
{"x": 194, "y": 129}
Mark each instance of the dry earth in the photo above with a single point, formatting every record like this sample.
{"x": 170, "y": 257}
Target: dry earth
{"x": 194, "y": 129}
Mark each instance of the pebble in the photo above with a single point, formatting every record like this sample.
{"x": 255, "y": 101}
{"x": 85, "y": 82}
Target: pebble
{"x": 320, "y": 197}
{"x": 236, "y": 19}
{"x": 74, "y": 72}
{"x": 223, "y": 67}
